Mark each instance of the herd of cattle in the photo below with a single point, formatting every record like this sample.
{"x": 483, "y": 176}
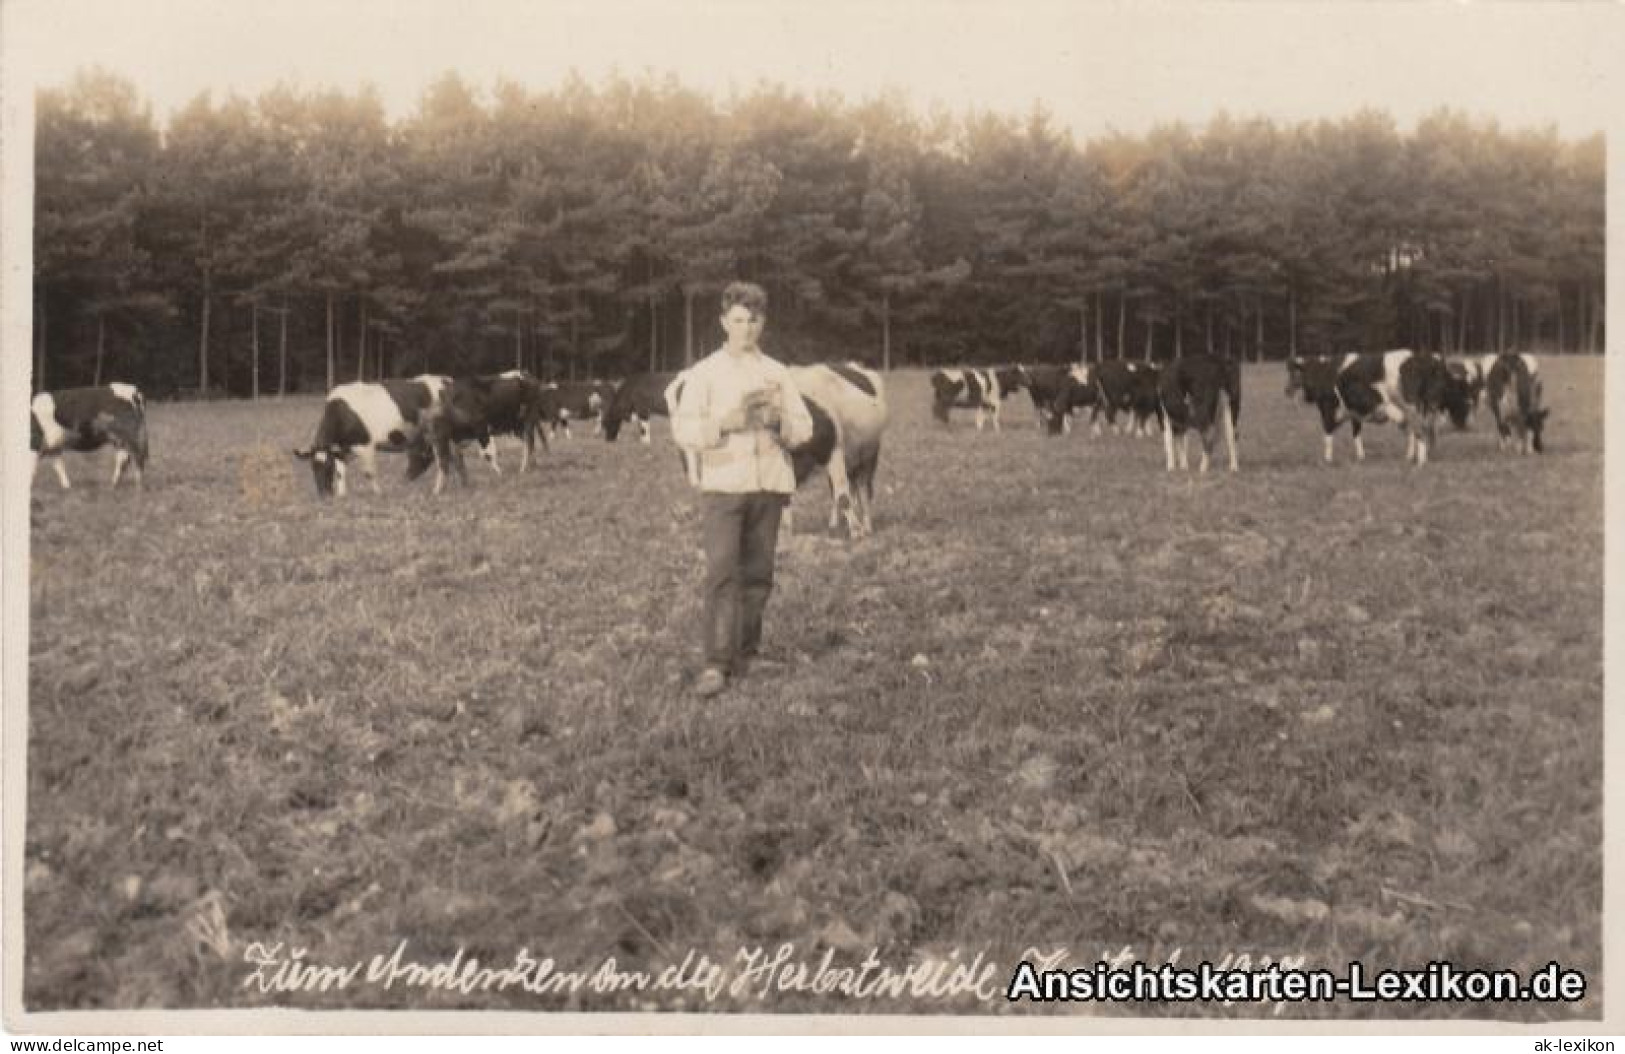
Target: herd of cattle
{"x": 431, "y": 417}
{"x": 1202, "y": 393}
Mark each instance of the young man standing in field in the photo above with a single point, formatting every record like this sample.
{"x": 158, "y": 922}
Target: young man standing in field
{"x": 739, "y": 414}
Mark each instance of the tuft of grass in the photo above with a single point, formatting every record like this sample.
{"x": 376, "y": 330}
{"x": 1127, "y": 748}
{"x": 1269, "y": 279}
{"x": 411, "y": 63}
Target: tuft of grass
{"x": 1061, "y": 699}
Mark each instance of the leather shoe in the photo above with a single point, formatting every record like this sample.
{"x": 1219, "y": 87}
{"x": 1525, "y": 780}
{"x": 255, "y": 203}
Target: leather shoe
{"x": 710, "y": 682}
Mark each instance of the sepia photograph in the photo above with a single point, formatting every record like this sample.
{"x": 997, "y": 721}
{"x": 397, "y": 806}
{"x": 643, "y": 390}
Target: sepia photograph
{"x": 709, "y": 516}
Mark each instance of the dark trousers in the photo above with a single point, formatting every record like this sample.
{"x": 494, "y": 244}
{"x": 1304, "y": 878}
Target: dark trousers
{"x": 740, "y": 536}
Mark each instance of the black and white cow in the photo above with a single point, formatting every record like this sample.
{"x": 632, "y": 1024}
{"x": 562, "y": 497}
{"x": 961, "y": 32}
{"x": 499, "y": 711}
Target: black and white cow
{"x": 477, "y": 410}
{"x": 847, "y": 404}
{"x": 363, "y": 417}
{"x": 1411, "y": 389}
{"x": 87, "y": 419}
{"x": 1080, "y": 388}
{"x": 981, "y": 390}
{"x": 575, "y": 401}
{"x": 639, "y": 397}
{"x": 1200, "y": 393}
{"x": 1514, "y": 390}
{"x": 1127, "y": 387}
{"x": 1048, "y": 384}
{"x": 1467, "y": 378}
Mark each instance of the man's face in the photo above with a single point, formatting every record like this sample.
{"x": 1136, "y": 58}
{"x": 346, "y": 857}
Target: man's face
{"x": 743, "y": 327}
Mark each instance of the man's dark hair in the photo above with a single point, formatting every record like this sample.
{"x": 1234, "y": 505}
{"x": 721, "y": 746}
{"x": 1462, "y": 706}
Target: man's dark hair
{"x": 748, "y": 295}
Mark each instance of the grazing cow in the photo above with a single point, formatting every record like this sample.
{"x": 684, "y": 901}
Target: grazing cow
{"x": 1047, "y": 385}
{"x": 575, "y": 401}
{"x": 1200, "y": 392}
{"x": 640, "y": 396}
{"x": 1409, "y": 388}
{"x": 1132, "y": 388}
{"x": 477, "y": 410}
{"x": 981, "y": 390}
{"x": 87, "y": 419}
{"x": 1467, "y": 378}
{"x": 1079, "y": 388}
{"x": 364, "y": 417}
{"x": 847, "y": 404}
{"x": 1515, "y": 395}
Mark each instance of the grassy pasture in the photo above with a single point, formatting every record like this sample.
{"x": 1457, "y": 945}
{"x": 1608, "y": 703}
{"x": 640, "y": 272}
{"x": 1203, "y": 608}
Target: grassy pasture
{"x": 1060, "y": 700}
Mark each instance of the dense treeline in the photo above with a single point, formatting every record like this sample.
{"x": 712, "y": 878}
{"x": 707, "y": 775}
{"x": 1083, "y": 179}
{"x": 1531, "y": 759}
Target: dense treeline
{"x": 302, "y": 238}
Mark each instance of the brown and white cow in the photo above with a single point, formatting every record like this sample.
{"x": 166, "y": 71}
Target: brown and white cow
{"x": 1200, "y": 393}
{"x": 363, "y": 417}
{"x": 981, "y": 390}
{"x": 85, "y": 420}
{"x": 1514, "y": 390}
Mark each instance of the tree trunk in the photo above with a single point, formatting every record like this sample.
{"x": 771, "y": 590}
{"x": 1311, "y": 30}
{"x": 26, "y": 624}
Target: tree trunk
{"x": 1292, "y": 323}
{"x": 518, "y": 339}
{"x": 1150, "y": 330}
{"x": 1122, "y": 322}
{"x": 885, "y": 331}
{"x": 1083, "y": 336}
{"x": 203, "y": 339}
{"x": 575, "y": 331}
{"x": 654, "y": 335}
{"x": 101, "y": 345}
{"x": 688, "y": 327}
{"x": 1258, "y": 340}
{"x": 1100, "y": 327}
{"x": 1208, "y": 320}
{"x": 1179, "y": 330}
{"x": 332, "y": 354}
{"x": 361, "y": 344}
{"x": 282, "y": 356}
{"x": 254, "y": 343}
{"x": 1461, "y": 322}
{"x": 39, "y": 340}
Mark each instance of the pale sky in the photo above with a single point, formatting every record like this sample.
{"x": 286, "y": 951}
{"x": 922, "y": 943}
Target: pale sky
{"x": 1093, "y": 65}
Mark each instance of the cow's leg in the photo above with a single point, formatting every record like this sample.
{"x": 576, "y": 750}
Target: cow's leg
{"x": 529, "y": 436}
{"x": 121, "y": 457}
{"x": 61, "y": 471}
{"x": 1168, "y": 443}
{"x": 978, "y": 418}
{"x": 1227, "y": 423}
{"x": 369, "y": 468}
{"x": 1326, "y": 449}
{"x": 840, "y": 494}
{"x": 994, "y": 414}
{"x": 647, "y": 433}
{"x": 340, "y": 488}
{"x": 1359, "y": 444}
{"x": 488, "y": 450}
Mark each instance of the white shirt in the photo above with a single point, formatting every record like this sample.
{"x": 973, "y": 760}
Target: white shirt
{"x": 747, "y": 461}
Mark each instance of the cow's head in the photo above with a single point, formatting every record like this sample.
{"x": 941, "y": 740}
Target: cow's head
{"x": 611, "y": 420}
{"x": 1012, "y": 379}
{"x": 1456, "y": 398}
{"x": 325, "y": 465}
